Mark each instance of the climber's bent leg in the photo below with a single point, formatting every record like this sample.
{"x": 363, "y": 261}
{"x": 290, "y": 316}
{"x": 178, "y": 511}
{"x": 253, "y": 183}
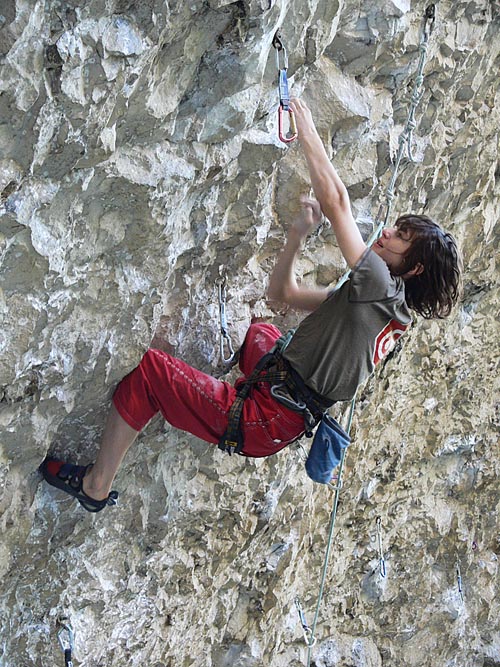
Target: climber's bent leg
{"x": 186, "y": 397}
{"x": 192, "y": 401}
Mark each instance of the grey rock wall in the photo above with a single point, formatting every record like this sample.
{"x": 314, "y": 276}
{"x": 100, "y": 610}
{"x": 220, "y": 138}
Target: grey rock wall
{"x": 139, "y": 163}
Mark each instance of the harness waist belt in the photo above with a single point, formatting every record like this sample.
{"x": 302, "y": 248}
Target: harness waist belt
{"x": 315, "y": 402}
{"x": 276, "y": 370}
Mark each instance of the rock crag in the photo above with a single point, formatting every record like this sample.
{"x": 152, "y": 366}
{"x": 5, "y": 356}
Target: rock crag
{"x": 139, "y": 164}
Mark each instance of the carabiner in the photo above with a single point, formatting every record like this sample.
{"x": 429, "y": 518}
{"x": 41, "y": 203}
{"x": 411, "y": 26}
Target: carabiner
{"x": 66, "y": 641}
{"x": 309, "y": 638}
{"x": 332, "y": 486}
{"x": 285, "y": 399}
{"x": 429, "y": 17}
{"x": 225, "y": 339}
{"x": 292, "y": 133}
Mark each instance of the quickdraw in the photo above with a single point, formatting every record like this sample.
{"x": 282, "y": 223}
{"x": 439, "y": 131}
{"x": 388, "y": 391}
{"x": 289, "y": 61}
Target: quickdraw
{"x": 284, "y": 94}
{"x": 381, "y": 559}
{"x": 459, "y": 581}
{"x": 66, "y": 640}
{"x": 225, "y": 340}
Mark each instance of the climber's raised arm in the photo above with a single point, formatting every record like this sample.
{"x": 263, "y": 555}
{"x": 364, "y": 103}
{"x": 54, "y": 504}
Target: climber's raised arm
{"x": 328, "y": 187}
{"x": 283, "y": 285}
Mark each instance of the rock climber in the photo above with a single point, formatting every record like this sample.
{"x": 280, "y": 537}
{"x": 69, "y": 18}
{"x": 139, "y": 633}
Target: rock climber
{"x": 413, "y": 266}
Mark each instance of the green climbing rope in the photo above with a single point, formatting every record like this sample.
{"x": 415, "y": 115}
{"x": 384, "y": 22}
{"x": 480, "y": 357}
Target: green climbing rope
{"x": 405, "y": 141}
{"x": 333, "y": 517}
{"x": 405, "y": 138}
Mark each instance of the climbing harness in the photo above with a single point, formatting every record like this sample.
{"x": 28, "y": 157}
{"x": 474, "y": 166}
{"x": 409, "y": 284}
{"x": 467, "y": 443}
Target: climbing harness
{"x": 66, "y": 641}
{"x": 309, "y": 640}
{"x": 284, "y": 94}
{"x": 381, "y": 559}
{"x": 289, "y": 389}
{"x": 225, "y": 339}
{"x": 232, "y": 439}
{"x": 274, "y": 369}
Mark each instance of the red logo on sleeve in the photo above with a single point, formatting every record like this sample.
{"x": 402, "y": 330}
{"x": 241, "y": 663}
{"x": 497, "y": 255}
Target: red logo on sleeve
{"x": 386, "y": 340}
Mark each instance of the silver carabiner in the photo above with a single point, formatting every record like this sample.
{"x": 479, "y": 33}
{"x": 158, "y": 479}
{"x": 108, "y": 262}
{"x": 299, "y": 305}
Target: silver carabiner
{"x": 338, "y": 486}
{"x": 225, "y": 340}
{"x": 285, "y": 398}
{"x": 381, "y": 559}
{"x": 308, "y": 633}
{"x": 66, "y": 639}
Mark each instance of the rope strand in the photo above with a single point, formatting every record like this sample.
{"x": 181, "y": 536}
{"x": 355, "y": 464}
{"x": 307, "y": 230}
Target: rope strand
{"x": 405, "y": 140}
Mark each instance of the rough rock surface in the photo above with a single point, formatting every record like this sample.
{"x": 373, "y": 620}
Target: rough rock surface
{"x": 139, "y": 162}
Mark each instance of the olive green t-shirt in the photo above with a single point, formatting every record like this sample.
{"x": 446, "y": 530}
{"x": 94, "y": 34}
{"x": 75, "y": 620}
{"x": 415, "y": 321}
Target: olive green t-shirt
{"x": 337, "y": 346}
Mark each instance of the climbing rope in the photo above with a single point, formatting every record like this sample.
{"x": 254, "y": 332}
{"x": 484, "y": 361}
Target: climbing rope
{"x": 333, "y": 516}
{"x": 66, "y": 641}
{"x": 225, "y": 339}
{"x": 406, "y": 136}
{"x": 405, "y": 140}
{"x": 284, "y": 94}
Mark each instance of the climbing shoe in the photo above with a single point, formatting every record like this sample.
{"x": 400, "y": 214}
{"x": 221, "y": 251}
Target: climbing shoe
{"x": 69, "y": 478}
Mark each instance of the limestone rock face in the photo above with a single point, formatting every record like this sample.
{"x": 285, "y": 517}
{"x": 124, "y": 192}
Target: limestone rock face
{"x": 139, "y": 164}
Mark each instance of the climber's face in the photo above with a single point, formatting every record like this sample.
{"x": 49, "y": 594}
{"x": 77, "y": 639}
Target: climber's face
{"x": 392, "y": 246}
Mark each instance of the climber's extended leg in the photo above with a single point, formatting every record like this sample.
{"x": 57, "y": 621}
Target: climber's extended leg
{"x": 117, "y": 438}
{"x": 187, "y": 398}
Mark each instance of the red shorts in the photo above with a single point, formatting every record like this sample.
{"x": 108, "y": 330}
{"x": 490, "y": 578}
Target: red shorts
{"x": 198, "y": 403}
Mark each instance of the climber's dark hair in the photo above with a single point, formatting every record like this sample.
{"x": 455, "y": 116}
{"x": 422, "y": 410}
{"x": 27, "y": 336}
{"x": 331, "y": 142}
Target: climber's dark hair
{"x": 434, "y": 291}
